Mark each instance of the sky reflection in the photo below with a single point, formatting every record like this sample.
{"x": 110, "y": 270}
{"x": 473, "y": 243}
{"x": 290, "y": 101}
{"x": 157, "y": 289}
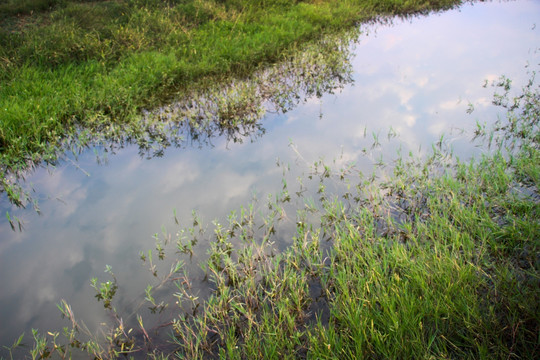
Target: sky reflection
{"x": 415, "y": 76}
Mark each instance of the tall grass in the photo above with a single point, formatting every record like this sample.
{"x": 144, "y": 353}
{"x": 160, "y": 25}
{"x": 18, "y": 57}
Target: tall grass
{"x": 233, "y": 109}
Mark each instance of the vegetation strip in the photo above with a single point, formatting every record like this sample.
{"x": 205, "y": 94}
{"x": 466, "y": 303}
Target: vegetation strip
{"x": 69, "y": 66}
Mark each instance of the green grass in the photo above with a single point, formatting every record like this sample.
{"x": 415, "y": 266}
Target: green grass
{"x": 67, "y": 66}
{"x": 439, "y": 262}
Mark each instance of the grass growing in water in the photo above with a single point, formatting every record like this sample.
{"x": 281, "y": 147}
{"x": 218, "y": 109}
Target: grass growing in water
{"x": 81, "y": 66}
{"x": 442, "y": 260}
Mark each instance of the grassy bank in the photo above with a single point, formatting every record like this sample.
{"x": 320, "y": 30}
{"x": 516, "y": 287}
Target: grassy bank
{"x": 68, "y": 67}
{"x": 439, "y": 261}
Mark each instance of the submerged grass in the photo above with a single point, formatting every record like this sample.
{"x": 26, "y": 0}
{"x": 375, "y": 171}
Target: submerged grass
{"x": 439, "y": 261}
{"x": 68, "y": 66}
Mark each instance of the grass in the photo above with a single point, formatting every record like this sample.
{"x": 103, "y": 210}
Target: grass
{"x": 70, "y": 67}
{"x": 439, "y": 261}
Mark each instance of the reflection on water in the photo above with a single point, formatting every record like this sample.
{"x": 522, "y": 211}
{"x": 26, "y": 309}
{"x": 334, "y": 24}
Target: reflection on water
{"x": 415, "y": 78}
{"x": 234, "y": 111}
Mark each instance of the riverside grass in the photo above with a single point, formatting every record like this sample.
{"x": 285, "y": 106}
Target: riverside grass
{"x": 440, "y": 260}
{"x": 70, "y": 67}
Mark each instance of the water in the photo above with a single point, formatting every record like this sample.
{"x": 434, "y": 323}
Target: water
{"x": 417, "y": 77}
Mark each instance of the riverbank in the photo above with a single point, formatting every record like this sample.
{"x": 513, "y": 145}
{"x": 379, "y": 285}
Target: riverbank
{"x": 75, "y": 70}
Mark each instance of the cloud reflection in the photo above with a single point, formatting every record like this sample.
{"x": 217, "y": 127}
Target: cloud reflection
{"x": 416, "y": 77}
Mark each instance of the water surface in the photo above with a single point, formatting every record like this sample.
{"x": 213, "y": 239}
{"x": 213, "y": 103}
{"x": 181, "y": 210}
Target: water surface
{"x": 415, "y": 77}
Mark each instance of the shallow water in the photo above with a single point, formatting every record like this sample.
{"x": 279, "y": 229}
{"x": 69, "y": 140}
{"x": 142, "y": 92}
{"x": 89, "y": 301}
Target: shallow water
{"x": 417, "y": 77}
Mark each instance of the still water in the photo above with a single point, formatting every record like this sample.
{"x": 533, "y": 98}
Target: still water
{"x": 415, "y": 77}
